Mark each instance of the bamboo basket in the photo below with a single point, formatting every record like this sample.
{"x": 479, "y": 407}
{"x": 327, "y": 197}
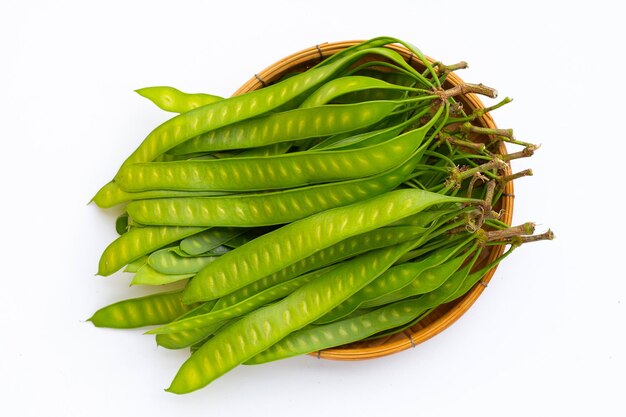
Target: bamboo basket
{"x": 445, "y": 315}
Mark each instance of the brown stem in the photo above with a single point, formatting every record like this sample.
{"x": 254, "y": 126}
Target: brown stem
{"x": 457, "y": 175}
{"x": 487, "y": 204}
{"x": 470, "y": 128}
{"x": 487, "y": 166}
{"x": 482, "y": 111}
{"x": 479, "y": 147}
{"x": 527, "y": 152}
{"x": 442, "y": 68}
{"x": 517, "y": 142}
{"x": 549, "y": 235}
{"x": 465, "y": 89}
{"x": 476, "y": 177}
{"x": 512, "y": 177}
{"x": 521, "y": 230}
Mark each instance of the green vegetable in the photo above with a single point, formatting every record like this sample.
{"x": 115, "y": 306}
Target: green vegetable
{"x": 337, "y": 204}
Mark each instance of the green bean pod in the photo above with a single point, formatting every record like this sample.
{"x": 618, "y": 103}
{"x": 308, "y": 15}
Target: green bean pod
{"x": 188, "y": 338}
{"x": 273, "y": 172}
{"x": 288, "y": 126}
{"x": 209, "y": 239}
{"x": 338, "y": 333}
{"x": 147, "y": 275}
{"x": 217, "y": 251}
{"x": 244, "y": 238}
{"x": 266, "y": 326}
{"x": 379, "y": 94}
{"x": 351, "y": 141}
{"x": 363, "y": 325}
{"x": 265, "y": 209}
{"x": 474, "y": 277}
{"x": 137, "y": 242}
{"x": 231, "y": 110}
{"x": 345, "y": 85}
{"x": 391, "y": 77}
{"x": 185, "y": 339}
{"x": 236, "y": 108}
{"x": 113, "y": 195}
{"x": 154, "y": 309}
{"x": 275, "y": 250}
{"x": 356, "y": 245}
{"x": 395, "y": 278}
{"x": 245, "y": 306}
{"x": 452, "y": 288}
{"x": 167, "y": 261}
{"x": 391, "y": 55}
{"x": 173, "y": 100}
{"x": 425, "y": 281}
{"x": 268, "y": 150}
{"x": 136, "y": 264}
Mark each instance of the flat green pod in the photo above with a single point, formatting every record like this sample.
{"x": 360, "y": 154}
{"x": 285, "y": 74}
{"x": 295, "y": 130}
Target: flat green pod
{"x": 167, "y": 261}
{"x": 173, "y": 100}
{"x": 137, "y": 242}
{"x": 266, "y": 326}
{"x": 154, "y": 309}
{"x": 277, "y": 249}
{"x": 146, "y": 275}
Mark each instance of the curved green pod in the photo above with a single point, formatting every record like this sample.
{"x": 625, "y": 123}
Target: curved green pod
{"x": 236, "y": 108}
{"x": 137, "y": 242}
{"x": 209, "y": 239}
{"x": 356, "y": 245}
{"x": 425, "y": 281}
{"x": 231, "y": 110}
{"x": 167, "y": 261}
{"x": 244, "y": 306}
{"x": 346, "y": 85}
{"x": 136, "y": 264}
{"x": 455, "y": 286}
{"x": 266, "y": 326}
{"x": 277, "y": 249}
{"x": 359, "y": 327}
{"x": 264, "y": 209}
{"x": 113, "y": 195}
{"x": 147, "y": 275}
{"x": 268, "y": 150}
{"x": 173, "y": 100}
{"x": 184, "y": 339}
{"x": 272, "y": 172}
{"x": 423, "y": 276}
{"x": 288, "y": 126}
{"x": 187, "y": 338}
{"x": 339, "y": 333}
{"x": 154, "y": 309}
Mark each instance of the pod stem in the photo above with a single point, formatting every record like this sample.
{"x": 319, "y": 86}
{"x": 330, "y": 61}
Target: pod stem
{"x": 476, "y": 177}
{"x": 516, "y": 142}
{"x": 457, "y": 175}
{"x": 441, "y": 68}
{"x": 527, "y": 152}
{"x": 506, "y": 178}
{"x": 476, "y": 146}
{"x": 489, "y": 193}
{"x": 524, "y": 229}
{"x": 548, "y": 235}
{"x": 465, "y": 89}
{"x": 470, "y": 128}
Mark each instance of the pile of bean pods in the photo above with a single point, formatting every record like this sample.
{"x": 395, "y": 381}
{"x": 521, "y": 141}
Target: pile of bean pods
{"x": 340, "y": 203}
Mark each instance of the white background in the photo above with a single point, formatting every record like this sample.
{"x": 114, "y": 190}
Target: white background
{"x": 546, "y": 338}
